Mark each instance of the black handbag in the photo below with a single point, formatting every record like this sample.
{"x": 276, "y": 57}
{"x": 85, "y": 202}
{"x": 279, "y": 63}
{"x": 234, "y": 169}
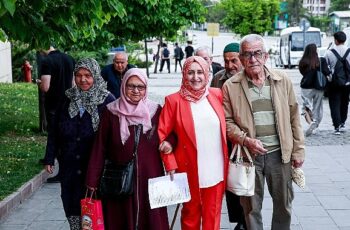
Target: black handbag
{"x": 117, "y": 180}
{"x": 321, "y": 79}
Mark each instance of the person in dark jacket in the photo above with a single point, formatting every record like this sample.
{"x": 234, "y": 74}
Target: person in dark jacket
{"x": 233, "y": 65}
{"x": 178, "y": 55}
{"x": 114, "y": 73}
{"x": 71, "y": 140}
{"x": 309, "y": 64}
{"x": 205, "y": 53}
{"x": 189, "y": 49}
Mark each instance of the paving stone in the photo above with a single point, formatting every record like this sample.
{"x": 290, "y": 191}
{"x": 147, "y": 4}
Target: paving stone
{"x": 340, "y": 217}
{"x": 334, "y": 202}
{"x": 310, "y": 211}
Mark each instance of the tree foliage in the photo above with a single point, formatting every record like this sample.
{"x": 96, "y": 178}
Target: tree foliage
{"x": 296, "y": 12}
{"x": 41, "y": 22}
{"x": 250, "y": 16}
{"x": 215, "y": 12}
{"x": 339, "y": 5}
{"x": 91, "y": 24}
{"x": 321, "y": 22}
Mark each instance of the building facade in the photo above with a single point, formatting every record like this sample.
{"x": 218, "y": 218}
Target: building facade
{"x": 317, "y": 7}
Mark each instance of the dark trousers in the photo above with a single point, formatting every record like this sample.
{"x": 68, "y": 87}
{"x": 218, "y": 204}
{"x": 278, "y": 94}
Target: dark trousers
{"x": 178, "y": 61}
{"x": 162, "y": 64}
{"x": 234, "y": 208}
{"x": 338, "y": 98}
{"x": 278, "y": 178}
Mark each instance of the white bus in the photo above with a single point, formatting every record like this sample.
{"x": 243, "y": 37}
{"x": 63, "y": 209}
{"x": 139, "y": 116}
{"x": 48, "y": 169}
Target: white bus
{"x": 291, "y": 44}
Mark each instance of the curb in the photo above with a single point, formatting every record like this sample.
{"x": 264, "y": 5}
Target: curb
{"x": 24, "y": 192}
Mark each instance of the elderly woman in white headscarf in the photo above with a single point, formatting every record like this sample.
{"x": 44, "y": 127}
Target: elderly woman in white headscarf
{"x": 71, "y": 139}
{"x": 115, "y": 141}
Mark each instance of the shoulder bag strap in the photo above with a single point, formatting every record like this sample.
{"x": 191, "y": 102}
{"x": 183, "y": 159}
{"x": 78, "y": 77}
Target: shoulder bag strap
{"x": 346, "y": 53}
{"x": 320, "y": 64}
{"x": 138, "y": 130}
{"x": 336, "y": 54}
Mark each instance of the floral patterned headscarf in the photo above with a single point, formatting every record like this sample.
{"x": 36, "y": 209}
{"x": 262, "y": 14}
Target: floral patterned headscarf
{"x": 186, "y": 90}
{"x": 88, "y": 100}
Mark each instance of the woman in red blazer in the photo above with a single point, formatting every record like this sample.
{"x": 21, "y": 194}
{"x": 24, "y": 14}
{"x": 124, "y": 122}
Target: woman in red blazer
{"x": 195, "y": 115}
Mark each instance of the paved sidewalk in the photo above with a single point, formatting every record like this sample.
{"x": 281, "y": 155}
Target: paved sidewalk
{"x": 324, "y": 204}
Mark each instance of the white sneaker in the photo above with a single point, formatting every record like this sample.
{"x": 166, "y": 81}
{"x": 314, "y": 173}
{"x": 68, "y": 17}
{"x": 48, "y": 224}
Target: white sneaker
{"x": 342, "y": 128}
{"x": 336, "y": 132}
{"x": 311, "y": 128}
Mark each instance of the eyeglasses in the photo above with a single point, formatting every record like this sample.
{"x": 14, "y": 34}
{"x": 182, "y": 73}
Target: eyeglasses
{"x": 248, "y": 55}
{"x": 133, "y": 87}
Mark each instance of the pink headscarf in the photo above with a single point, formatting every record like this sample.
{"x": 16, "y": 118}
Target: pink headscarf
{"x": 186, "y": 90}
{"x": 131, "y": 114}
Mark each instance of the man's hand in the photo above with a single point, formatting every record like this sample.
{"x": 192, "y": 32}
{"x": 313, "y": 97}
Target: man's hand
{"x": 254, "y": 146}
{"x": 297, "y": 163}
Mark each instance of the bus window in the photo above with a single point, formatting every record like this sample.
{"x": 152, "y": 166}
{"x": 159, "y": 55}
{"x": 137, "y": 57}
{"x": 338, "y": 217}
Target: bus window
{"x": 310, "y": 37}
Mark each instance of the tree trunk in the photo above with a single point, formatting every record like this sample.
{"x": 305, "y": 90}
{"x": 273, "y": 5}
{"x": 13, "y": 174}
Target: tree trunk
{"x": 158, "y": 54}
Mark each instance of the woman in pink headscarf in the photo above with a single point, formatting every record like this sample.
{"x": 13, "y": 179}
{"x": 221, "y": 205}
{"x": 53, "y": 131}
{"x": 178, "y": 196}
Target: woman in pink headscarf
{"x": 195, "y": 115}
{"x": 115, "y": 141}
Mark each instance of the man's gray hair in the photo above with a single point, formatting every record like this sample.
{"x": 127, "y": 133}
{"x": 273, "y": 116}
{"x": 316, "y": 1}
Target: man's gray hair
{"x": 252, "y": 38}
{"x": 203, "y": 48}
{"x": 123, "y": 53}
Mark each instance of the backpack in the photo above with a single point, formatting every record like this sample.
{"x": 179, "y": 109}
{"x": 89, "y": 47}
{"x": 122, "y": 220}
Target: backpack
{"x": 181, "y": 54}
{"x": 166, "y": 52}
{"x": 341, "y": 74}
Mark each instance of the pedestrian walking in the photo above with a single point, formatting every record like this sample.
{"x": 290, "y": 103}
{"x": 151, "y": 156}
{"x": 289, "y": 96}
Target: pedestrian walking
{"x": 338, "y": 92}
{"x": 309, "y": 66}
{"x": 115, "y": 141}
{"x": 189, "y": 50}
{"x": 114, "y": 73}
{"x": 178, "y": 55}
{"x": 262, "y": 114}
{"x": 56, "y": 78}
{"x": 71, "y": 139}
{"x": 205, "y": 53}
{"x": 195, "y": 115}
{"x": 165, "y": 58}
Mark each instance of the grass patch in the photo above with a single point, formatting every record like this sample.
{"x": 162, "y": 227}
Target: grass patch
{"x": 21, "y": 143}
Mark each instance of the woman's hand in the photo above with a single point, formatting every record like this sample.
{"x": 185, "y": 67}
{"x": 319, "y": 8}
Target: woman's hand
{"x": 254, "y": 146}
{"x": 91, "y": 188}
{"x": 165, "y": 147}
{"x": 171, "y": 174}
{"x": 49, "y": 168}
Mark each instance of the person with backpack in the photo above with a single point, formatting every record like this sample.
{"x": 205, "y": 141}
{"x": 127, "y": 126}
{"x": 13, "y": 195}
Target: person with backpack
{"x": 338, "y": 59}
{"x": 178, "y": 55}
{"x": 165, "y": 57}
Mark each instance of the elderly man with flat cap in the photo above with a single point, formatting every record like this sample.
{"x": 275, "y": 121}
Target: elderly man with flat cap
{"x": 232, "y": 65}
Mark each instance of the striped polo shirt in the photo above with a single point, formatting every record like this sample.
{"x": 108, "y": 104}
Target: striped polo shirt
{"x": 264, "y": 115}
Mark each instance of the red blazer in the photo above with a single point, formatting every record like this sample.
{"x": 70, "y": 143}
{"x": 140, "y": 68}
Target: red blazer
{"x": 176, "y": 117}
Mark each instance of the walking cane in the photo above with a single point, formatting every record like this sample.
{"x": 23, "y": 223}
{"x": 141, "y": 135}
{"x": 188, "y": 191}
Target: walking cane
{"x": 174, "y": 218}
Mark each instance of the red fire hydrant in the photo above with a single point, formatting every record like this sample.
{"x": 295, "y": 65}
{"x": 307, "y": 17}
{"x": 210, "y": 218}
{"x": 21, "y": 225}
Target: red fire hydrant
{"x": 27, "y": 71}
